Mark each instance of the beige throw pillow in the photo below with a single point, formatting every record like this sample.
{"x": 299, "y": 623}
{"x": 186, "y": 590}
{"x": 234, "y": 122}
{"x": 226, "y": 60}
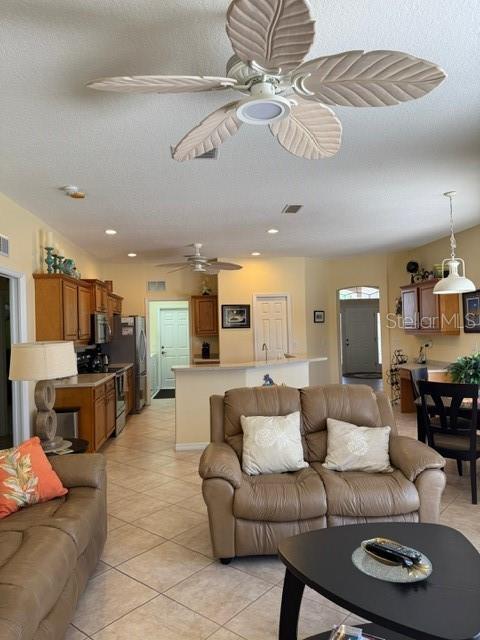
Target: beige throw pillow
{"x": 272, "y": 444}
{"x": 352, "y": 448}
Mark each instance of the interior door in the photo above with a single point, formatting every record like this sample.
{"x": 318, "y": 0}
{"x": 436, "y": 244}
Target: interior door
{"x": 271, "y": 327}
{"x": 359, "y": 336}
{"x": 174, "y": 338}
{"x": 6, "y": 417}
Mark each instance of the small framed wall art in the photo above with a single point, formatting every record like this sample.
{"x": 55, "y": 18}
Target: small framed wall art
{"x": 319, "y": 316}
{"x": 471, "y": 312}
{"x": 235, "y": 316}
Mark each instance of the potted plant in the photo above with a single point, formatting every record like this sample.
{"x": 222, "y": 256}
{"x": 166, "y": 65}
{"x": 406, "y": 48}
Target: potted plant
{"x": 466, "y": 369}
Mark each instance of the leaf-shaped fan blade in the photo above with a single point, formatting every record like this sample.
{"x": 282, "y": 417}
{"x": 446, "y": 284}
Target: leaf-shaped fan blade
{"x": 276, "y": 34}
{"x": 161, "y": 84}
{"x": 311, "y": 131}
{"x": 209, "y": 134}
{"x": 371, "y": 79}
{"x": 225, "y": 266}
{"x": 173, "y": 264}
{"x": 182, "y": 268}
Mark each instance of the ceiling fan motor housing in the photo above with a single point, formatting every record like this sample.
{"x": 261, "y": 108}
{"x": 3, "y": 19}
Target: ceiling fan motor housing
{"x": 263, "y": 106}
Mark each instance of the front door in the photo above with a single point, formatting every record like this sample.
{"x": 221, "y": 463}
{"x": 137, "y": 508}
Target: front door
{"x": 359, "y": 336}
{"x": 271, "y": 327}
{"x": 174, "y": 343}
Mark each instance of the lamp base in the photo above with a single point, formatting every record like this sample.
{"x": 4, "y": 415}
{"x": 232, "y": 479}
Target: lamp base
{"x": 46, "y": 421}
{"x": 55, "y": 445}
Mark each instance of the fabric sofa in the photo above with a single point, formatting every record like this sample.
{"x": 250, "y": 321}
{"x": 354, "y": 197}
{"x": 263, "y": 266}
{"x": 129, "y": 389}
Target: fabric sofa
{"x": 49, "y": 550}
{"x": 249, "y": 515}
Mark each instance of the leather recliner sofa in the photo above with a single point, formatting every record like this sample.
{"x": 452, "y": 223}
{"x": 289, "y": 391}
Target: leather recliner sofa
{"x": 249, "y": 515}
{"x": 49, "y": 550}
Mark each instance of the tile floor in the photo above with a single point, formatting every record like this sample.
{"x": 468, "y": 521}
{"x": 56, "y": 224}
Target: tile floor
{"x": 157, "y": 578}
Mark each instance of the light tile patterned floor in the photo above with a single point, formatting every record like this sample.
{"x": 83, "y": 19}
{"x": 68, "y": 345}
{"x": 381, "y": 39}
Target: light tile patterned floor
{"x": 157, "y": 578}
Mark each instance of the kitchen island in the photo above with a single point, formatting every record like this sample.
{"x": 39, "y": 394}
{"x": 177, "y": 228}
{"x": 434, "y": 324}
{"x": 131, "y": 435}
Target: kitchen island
{"x": 195, "y": 383}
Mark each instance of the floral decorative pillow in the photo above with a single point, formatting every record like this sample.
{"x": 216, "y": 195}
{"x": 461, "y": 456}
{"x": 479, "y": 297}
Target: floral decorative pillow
{"x": 26, "y": 477}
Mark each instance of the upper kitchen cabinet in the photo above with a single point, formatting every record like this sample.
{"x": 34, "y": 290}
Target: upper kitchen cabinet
{"x": 62, "y": 308}
{"x": 99, "y": 293}
{"x": 424, "y": 312}
{"x": 205, "y": 315}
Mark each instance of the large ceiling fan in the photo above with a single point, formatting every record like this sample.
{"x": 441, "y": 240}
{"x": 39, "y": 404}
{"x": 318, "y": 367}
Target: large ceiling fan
{"x": 201, "y": 264}
{"x": 270, "y": 39}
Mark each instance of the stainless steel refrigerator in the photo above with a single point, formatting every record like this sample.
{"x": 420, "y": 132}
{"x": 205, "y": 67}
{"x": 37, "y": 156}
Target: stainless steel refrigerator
{"x": 129, "y": 344}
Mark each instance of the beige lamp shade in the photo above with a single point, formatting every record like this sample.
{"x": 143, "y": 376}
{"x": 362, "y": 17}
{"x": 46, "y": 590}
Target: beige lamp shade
{"x": 42, "y": 361}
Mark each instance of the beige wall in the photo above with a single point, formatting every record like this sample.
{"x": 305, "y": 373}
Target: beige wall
{"x": 278, "y": 275}
{"x": 445, "y": 348}
{"x": 23, "y": 230}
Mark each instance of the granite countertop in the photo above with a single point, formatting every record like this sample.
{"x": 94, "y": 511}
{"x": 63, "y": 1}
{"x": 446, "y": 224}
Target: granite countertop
{"x": 435, "y": 366}
{"x": 83, "y": 380}
{"x": 255, "y": 364}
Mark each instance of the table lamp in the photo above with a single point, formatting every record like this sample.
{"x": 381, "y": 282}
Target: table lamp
{"x": 44, "y": 362}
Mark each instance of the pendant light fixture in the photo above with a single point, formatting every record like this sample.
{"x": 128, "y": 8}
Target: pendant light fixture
{"x": 454, "y": 282}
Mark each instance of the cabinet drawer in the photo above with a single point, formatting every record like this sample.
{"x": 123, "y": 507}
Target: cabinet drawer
{"x": 99, "y": 391}
{"x": 110, "y": 385}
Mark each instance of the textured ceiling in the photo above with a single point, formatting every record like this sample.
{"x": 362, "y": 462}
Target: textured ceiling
{"x": 382, "y": 190}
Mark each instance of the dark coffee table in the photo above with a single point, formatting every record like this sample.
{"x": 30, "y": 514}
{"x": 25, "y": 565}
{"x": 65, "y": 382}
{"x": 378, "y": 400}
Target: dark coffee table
{"x": 445, "y": 606}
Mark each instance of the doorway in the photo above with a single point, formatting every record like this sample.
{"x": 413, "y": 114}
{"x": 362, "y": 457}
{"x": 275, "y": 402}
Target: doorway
{"x": 169, "y": 344}
{"x": 6, "y": 399}
{"x": 272, "y": 325}
{"x": 360, "y": 339}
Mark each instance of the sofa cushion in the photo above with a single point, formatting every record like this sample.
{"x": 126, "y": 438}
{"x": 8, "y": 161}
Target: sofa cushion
{"x": 76, "y": 516}
{"x": 36, "y": 567}
{"x": 355, "y": 493}
{"x": 255, "y": 401}
{"x": 280, "y": 497}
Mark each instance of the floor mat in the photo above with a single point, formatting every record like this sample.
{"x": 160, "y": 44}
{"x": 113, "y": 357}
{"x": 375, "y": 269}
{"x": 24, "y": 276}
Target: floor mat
{"x": 165, "y": 393}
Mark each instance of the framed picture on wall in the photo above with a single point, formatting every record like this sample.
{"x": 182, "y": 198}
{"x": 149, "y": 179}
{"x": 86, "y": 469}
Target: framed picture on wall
{"x": 471, "y": 312}
{"x": 319, "y": 316}
{"x": 235, "y": 316}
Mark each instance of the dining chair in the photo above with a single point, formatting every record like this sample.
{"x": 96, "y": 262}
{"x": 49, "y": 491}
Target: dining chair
{"x": 415, "y": 376}
{"x": 450, "y": 417}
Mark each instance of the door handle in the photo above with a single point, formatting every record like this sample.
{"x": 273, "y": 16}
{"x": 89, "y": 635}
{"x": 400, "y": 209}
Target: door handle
{"x": 163, "y": 353}
{"x": 347, "y": 342}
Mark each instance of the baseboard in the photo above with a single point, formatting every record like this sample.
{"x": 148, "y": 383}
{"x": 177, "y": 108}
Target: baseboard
{"x": 191, "y": 446}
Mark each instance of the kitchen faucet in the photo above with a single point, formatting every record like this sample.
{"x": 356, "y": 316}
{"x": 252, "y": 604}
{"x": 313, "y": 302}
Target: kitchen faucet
{"x": 265, "y": 348}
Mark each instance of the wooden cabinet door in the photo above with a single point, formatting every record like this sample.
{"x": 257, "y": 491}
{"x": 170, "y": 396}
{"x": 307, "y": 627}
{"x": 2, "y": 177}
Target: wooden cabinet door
{"x": 205, "y": 315}
{"x": 100, "y": 295}
{"x": 84, "y": 313}
{"x": 410, "y": 308}
{"x": 100, "y": 422}
{"x": 110, "y": 412}
{"x": 104, "y": 298}
{"x": 428, "y": 308}
{"x": 70, "y": 311}
{"x": 110, "y": 310}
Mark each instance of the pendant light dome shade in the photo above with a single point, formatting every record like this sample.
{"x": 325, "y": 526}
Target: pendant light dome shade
{"x": 454, "y": 282}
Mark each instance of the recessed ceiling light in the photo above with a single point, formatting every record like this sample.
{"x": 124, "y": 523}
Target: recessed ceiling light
{"x": 255, "y": 253}
{"x": 132, "y": 255}
{"x": 272, "y": 231}
{"x": 110, "y": 232}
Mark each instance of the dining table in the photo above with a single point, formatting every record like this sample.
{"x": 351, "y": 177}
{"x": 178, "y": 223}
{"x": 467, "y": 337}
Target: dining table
{"x": 465, "y": 411}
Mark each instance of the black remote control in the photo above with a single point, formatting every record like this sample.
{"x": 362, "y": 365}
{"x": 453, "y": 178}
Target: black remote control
{"x": 394, "y": 552}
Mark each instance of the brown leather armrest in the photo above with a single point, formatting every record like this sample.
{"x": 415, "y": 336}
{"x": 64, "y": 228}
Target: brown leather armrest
{"x": 219, "y": 460}
{"x": 412, "y": 457}
{"x": 80, "y": 470}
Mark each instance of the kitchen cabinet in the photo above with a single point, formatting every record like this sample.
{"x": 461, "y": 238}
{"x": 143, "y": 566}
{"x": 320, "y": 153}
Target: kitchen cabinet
{"x": 423, "y": 312}
{"x": 114, "y": 307}
{"x": 99, "y": 295}
{"x": 205, "y": 315}
{"x": 62, "y": 308}
{"x": 84, "y": 313}
{"x": 97, "y": 410}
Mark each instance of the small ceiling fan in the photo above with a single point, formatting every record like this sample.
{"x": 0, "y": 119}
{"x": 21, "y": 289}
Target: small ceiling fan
{"x": 201, "y": 264}
{"x": 270, "y": 39}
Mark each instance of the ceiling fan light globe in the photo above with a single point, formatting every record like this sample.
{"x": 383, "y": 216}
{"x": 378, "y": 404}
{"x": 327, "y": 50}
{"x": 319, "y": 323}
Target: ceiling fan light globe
{"x": 263, "y": 111}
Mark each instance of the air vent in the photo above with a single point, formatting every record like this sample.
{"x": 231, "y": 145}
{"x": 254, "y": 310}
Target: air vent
{"x": 156, "y": 285}
{"x": 292, "y": 208}
{"x": 208, "y": 155}
{"x": 4, "y": 246}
